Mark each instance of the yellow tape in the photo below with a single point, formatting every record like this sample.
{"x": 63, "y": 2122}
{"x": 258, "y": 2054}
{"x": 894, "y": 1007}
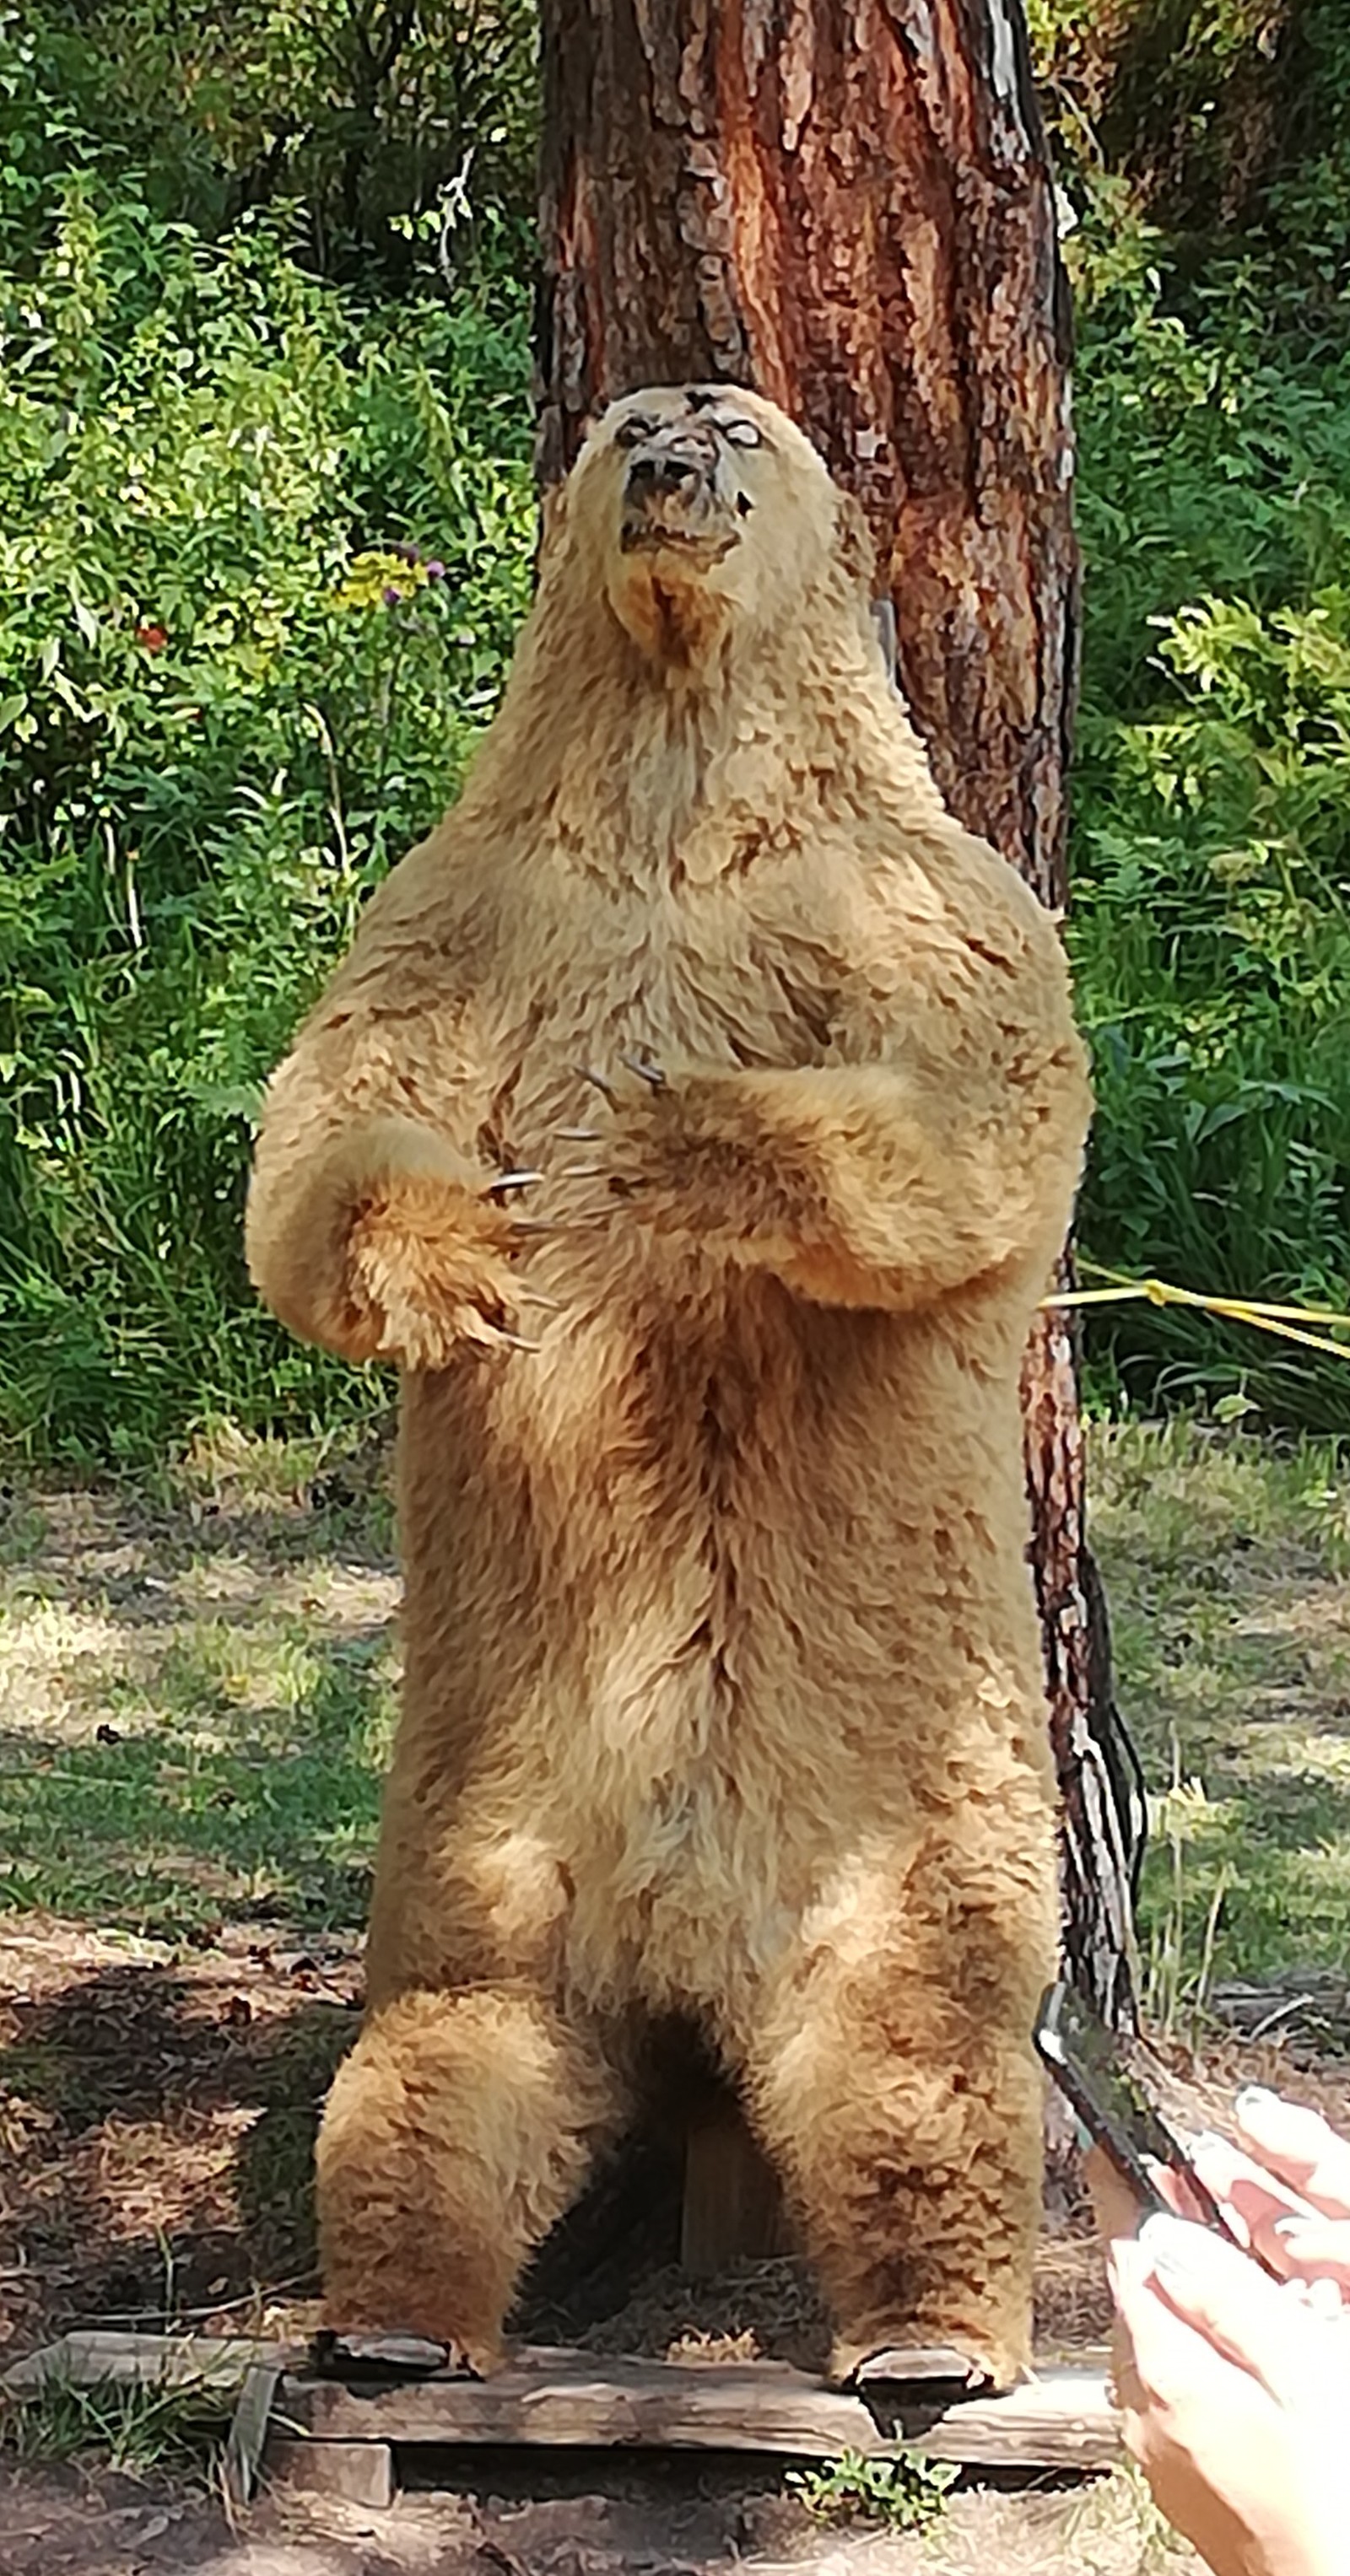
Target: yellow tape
{"x": 1289, "y": 1322}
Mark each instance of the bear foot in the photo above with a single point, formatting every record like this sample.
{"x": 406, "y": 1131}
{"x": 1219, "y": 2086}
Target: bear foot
{"x": 957, "y": 2370}
{"x": 370, "y": 2353}
{"x": 924, "y": 2365}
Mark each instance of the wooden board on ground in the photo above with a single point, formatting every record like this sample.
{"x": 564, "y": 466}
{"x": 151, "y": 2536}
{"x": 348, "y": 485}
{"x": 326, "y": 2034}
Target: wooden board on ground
{"x": 582, "y": 2400}
{"x": 149, "y": 2360}
{"x": 1061, "y": 2419}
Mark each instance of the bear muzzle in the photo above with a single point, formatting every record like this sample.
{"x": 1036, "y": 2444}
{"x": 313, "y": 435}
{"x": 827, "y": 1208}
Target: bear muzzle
{"x": 679, "y": 495}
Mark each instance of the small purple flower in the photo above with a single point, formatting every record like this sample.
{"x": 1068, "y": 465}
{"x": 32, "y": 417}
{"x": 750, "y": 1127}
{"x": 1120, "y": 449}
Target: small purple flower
{"x": 435, "y": 570}
{"x": 391, "y": 595}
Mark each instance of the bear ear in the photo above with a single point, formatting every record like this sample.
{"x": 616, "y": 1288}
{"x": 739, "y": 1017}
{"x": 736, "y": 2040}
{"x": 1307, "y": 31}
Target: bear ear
{"x": 854, "y": 538}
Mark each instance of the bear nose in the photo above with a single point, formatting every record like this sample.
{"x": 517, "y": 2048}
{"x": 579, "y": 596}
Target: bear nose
{"x": 667, "y": 467}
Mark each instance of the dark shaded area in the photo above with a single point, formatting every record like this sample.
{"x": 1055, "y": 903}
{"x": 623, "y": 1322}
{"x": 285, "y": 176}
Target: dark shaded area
{"x": 1204, "y": 109}
{"x": 159, "y": 2123}
{"x": 602, "y": 2515}
{"x": 386, "y": 113}
{"x": 133, "y": 2194}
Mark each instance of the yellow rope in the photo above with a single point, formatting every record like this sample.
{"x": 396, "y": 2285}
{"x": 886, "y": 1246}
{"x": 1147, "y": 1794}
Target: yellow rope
{"x": 1289, "y": 1322}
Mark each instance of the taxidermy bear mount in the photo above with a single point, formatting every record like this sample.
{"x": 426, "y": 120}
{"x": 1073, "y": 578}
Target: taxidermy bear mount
{"x": 695, "y": 1121}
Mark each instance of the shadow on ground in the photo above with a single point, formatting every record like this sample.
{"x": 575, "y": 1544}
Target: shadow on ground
{"x": 159, "y": 2127}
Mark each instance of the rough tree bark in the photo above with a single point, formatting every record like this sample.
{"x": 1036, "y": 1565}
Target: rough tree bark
{"x": 848, "y": 204}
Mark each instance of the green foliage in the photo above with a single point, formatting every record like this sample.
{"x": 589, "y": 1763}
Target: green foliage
{"x": 1210, "y": 864}
{"x": 1204, "y": 107}
{"x": 905, "y": 2492}
{"x": 266, "y": 540}
{"x": 174, "y": 2426}
{"x": 371, "y": 123}
{"x": 264, "y": 551}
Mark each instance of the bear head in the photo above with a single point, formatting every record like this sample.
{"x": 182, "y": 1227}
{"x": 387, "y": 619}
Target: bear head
{"x": 693, "y": 507}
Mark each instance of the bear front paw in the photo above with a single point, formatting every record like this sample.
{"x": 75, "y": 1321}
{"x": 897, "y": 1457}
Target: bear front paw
{"x": 669, "y": 1149}
{"x": 428, "y": 1273}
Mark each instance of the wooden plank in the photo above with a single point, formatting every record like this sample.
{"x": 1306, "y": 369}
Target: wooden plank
{"x": 733, "y": 2206}
{"x": 248, "y": 2431}
{"x": 36, "y": 2369}
{"x": 147, "y": 2359}
{"x": 1061, "y": 2420}
{"x": 359, "y": 2472}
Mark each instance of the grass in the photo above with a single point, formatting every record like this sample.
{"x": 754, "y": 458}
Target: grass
{"x": 197, "y": 1689}
{"x": 172, "y": 2429}
{"x": 1225, "y": 1559}
{"x": 198, "y": 1677}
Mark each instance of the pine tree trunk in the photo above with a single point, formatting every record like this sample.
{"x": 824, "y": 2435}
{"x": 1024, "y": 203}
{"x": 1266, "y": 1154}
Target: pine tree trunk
{"x": 851, "y": 209}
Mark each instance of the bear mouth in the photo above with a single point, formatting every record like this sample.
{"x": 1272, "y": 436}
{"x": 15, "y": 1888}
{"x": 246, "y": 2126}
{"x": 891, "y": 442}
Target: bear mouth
{"x": 640, "y": 536}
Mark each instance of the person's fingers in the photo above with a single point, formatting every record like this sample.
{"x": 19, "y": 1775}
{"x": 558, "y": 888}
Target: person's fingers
{"x": 1314, "y": 2249}
{"x": 1175, "y": 2186}
{"x": 1233, "y": 2306}
{"x": 1165, "y": 2361}
{"x": 1252, "y": 2200}
{"x": 1299, "y": 2147}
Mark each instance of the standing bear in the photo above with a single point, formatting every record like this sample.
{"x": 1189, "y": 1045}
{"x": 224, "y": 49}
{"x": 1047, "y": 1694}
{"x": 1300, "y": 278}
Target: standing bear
{"x": 695, "y": 1121}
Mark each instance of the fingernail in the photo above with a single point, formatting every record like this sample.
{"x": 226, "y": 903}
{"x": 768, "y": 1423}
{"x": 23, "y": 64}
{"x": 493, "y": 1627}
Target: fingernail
{"x": 1174, "y": 2245}
{"x": 1289, "y": 2230}
{"x": 1257, "y": 2097}
{"x": 1203, "y": 2141}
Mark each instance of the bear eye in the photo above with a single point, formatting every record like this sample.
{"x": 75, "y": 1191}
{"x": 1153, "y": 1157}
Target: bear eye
{"x": 632, "y": 431}
{"x": 742, "y": 433}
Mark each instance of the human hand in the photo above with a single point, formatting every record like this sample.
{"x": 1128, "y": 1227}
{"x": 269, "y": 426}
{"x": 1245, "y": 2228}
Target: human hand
{"x": 1289, "y": 2194}
{"x": 1235, "y": 2397}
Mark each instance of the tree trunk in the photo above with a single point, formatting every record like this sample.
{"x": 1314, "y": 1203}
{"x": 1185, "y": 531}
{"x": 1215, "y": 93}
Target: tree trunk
{"x": 851, "y": 210}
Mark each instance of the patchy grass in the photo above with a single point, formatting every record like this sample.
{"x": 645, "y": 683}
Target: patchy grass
{"x": 196, "y": 1696}
{"x": 1226, "y": 1563}
{"x": 136, "y": 2430}
{"x": 197, "y": 1689}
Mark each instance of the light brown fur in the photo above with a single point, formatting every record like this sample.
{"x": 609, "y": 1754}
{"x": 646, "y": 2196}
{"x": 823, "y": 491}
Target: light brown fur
{"x": 723, "y": 1690}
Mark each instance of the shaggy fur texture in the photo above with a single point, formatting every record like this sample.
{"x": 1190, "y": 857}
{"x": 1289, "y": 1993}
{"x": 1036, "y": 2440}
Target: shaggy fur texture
{"x": 723, "y": 1691}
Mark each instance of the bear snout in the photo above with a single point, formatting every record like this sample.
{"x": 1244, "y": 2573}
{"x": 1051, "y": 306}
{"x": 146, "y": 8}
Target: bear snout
{"x": 672, "y": 495}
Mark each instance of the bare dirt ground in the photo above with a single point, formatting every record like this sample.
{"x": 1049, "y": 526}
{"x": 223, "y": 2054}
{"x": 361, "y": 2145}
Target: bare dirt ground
{"x": 196, "y": 1687}
{"x": 597, "y": 2521}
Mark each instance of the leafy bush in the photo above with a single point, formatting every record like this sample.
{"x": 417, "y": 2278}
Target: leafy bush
{"x": 367, "y": 125}
{"x": 906, "y": 2493}
{"x": 265, "y": 548}
{"x": 1211, "y": 855}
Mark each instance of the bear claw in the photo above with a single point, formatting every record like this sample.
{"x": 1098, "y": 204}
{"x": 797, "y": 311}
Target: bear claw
{"x": 647, "y": 1070}
{"x": 362, "y": 2355}
{"x": 909, "y": 2365}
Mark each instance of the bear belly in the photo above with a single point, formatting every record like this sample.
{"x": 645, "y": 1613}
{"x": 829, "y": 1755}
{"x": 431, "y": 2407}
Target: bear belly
{"x": 666, "y": 1680}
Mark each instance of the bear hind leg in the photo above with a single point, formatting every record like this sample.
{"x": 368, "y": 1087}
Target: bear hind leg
{"x": 898, "y": 2094}
{"x": 460, "y": 2127}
